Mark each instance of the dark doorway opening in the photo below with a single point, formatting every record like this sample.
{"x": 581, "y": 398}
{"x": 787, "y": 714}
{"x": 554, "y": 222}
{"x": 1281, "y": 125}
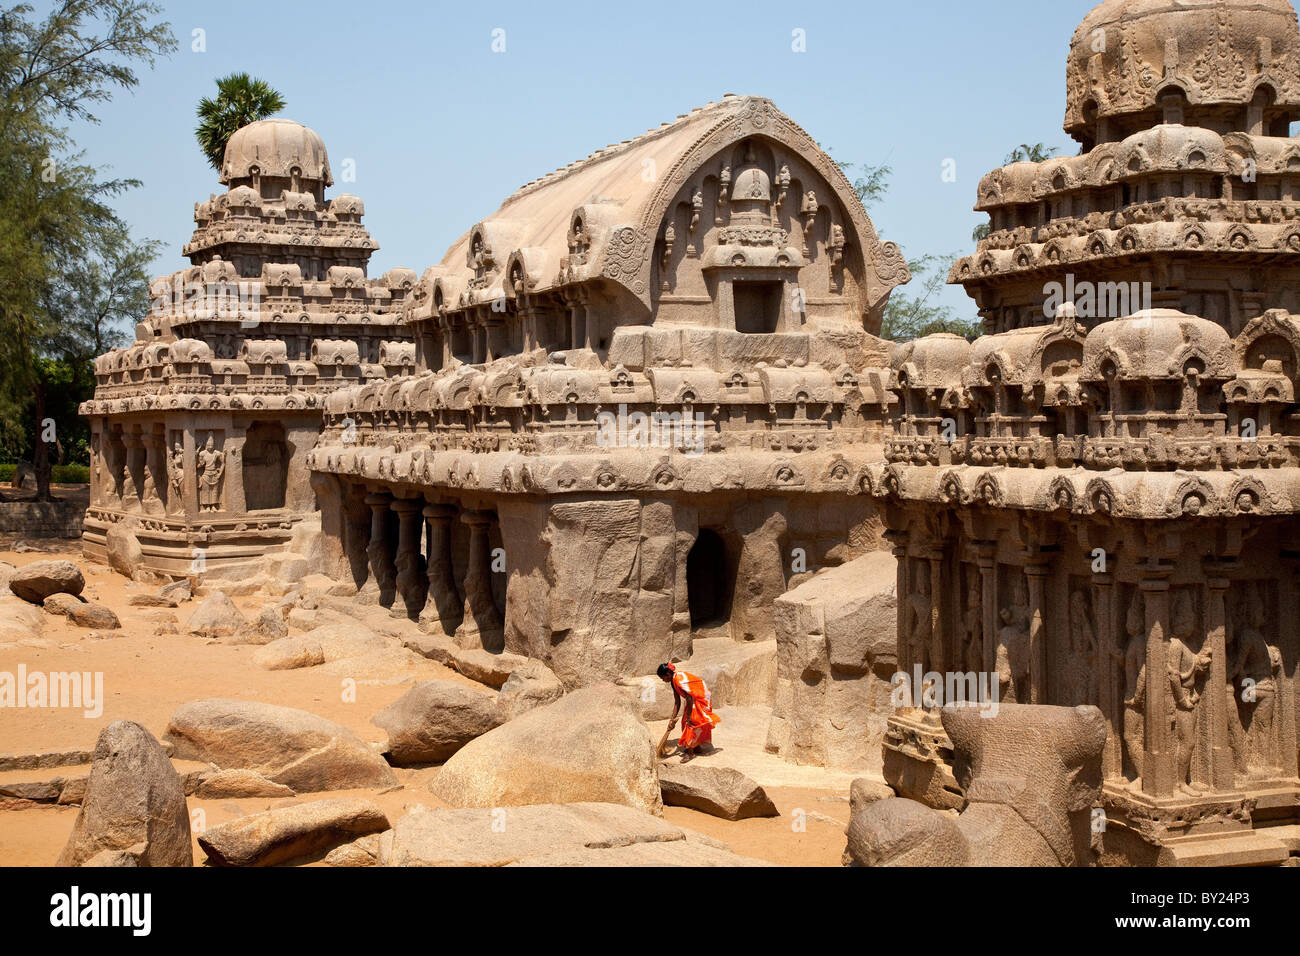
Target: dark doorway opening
{"x": 708, "y": 580}
{"x": 266, "y": 466}
{"x": 757, "y": 305}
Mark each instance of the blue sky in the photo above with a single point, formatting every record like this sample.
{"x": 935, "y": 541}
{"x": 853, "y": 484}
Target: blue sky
{"x": 442, "y": 129}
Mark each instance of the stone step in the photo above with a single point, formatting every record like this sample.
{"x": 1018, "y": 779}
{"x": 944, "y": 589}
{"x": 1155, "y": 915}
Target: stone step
{"x": 1249, "y": 848}
{"x": 65, "y": 785}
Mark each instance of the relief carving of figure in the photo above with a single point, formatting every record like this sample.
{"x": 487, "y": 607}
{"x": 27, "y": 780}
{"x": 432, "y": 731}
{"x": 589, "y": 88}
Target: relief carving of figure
{"x": 1082, "y": 668}
{"x": 1253, "y": 676}
{"x": 1133, "y": 660}
{"x": 973, "y": 627}
{"x": 1013, "y": 658}
{"x": 212, "y": 467}
{"x": 919, "y": 604}
{"x": 1186, "y": 678}
{"x": 176, "y": 471}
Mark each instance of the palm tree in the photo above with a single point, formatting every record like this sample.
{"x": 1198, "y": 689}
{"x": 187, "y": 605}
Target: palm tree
{"x": 1026, "y": 153}
{"x": 240, "y": 100}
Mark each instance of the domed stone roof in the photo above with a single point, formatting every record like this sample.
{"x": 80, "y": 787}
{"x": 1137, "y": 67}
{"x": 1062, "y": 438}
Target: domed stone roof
{"x": 276, "y": 147}
{"x": 1126, "y": 53}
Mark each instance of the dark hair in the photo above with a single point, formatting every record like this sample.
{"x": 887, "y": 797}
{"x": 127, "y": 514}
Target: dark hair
{"x": 665, "y": 671}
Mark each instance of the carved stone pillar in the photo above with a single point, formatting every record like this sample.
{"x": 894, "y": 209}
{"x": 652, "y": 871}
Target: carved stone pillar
{"x": 156, "y": 484}
{"x": 383, "y": 571}
{"x": 939, "y": 649}
{"x": 903, "y": 592}
{"x": 445, "y": 607}
{"x": 1110, "y": 652}
{"x": 482, "y": 625}
{"x": 1214, "y": 768}
{"x": 133, "y": 472}
{"x": 1158, "y": 757}
{"x": 1037, "y": 577}
{"x": 411, "y": 582}
{"x": 987, "y": 553}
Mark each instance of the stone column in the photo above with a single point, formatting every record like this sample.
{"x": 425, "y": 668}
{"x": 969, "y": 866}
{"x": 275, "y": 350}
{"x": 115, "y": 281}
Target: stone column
{"x": 444, "y": 608}
{"x": 1158, "y": 758}
{"x": 1214, "y": 766}
{"x": 233, "y": 497}
{"x": 155, "y": 462}
{"x": 939, "y": 649}
{"x": 1037, "y": 575}
{"x": 482, "y": 625}
{"x": 987, "y": 553}
{"x": 411, "y": 582}
{"x": 903, "y": 594}
{"x": 1109, "y": 682}
{"x": 383, "y": 572}
{"x": 132, "y": 494}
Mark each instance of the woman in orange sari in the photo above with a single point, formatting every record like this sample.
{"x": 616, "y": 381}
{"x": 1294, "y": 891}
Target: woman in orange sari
{"x": 698, "y": 720}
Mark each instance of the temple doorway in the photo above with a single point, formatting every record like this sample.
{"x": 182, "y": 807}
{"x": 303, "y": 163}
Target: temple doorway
{"x": 266, "y": 466}
{"x": 710, "y": 581}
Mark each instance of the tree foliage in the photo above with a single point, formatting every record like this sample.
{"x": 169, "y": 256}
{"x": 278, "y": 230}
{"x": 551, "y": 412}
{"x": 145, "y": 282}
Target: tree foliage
{"x": 57, "y": 225}
{"x": 240, "y": 100}
{"x": 912, "y": 316}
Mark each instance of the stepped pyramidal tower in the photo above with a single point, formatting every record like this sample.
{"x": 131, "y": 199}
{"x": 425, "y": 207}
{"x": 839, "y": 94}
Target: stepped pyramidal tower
{"x": 200, "y": 431}
{"x": 1098, "y": 498}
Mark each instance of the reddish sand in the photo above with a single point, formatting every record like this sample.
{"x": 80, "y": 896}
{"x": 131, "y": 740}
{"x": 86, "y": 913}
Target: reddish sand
{"x": 147, "y": 676}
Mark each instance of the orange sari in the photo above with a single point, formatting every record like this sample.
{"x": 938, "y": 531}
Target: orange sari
{"x": 699, "y": 729}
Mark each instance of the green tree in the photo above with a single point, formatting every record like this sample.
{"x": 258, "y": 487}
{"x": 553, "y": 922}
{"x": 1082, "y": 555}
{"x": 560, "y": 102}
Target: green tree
{"x": 54, "y": 208}
{"x": 240, "y": 100}
{"x": 1027, "y": 153}
{"x": 906, "y": 316}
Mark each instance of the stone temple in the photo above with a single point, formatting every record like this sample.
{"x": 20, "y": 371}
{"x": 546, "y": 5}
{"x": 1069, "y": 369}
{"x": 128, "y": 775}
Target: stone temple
{"x": 643, "y": 410}
{"x": 1096, "y": 500}
{"x": 642, "y": 392}
{"x": 200, "y": 431}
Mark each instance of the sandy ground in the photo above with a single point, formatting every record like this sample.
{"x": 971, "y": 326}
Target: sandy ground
{"x": 147, "y": 676}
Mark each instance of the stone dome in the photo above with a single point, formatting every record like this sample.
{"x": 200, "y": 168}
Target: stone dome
{"x": 1127, "y": 54}
{"x": 276, "y": 147}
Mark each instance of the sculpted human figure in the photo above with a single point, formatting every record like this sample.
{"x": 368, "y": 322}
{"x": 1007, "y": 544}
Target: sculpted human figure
{"x": 212, "y": 466}
{"x": 1186, "y": 677}
{"x": 1013, "y": 657}
{"x": 1254, "y": 677}
{"x": 1083, "y": 651}
{"x": 1133, "y": 660}
{"x": 176, "y": 470}
{"x": 973, "y": 627}
{"x": 919, "y": 610}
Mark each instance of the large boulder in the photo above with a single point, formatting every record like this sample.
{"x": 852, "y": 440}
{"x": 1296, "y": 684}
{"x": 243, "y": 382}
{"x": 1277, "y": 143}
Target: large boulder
{"x": 901, "y": 832}
{"x": 836, "y": 635}
{"x": 125, "y": 555}
{"x": 576, "y": 834}
{"x": 134, "y": 804}
{"x": 90, "y": 614}
{"x": 236, "y": 784}
{"x": 290, "y": 653}
{"x": 19, "y": 621}
{"x": 217, "y": 616}
{"x": 590, "y": 745}
{"x": 290, "y": 833}
{"x": 717, "y": 791}
{"x": 285, "y": 745}
{"x": 37, "y": 581}
{"x": 434, "y": 719}
{"x": 529, "y": 686}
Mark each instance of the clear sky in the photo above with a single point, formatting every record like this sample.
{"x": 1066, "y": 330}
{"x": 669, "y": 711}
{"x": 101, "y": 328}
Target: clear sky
{"x": 442, "y": 129}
